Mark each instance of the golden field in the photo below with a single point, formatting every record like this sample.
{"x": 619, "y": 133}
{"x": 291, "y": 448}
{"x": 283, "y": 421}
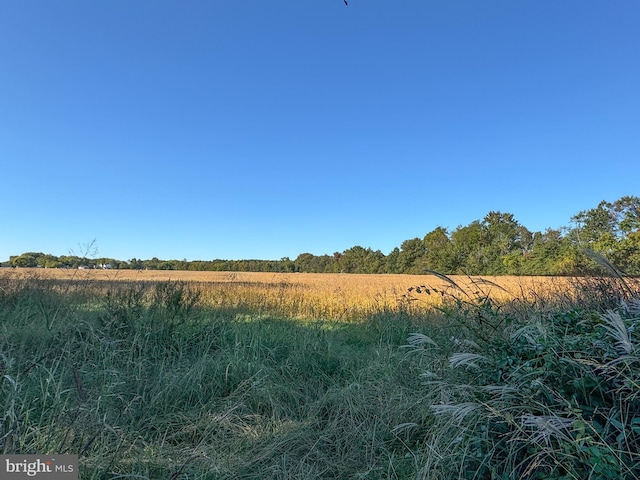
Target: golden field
{"x": 309, "y": 295}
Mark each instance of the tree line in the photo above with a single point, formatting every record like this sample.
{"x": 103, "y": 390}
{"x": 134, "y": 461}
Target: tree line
{"x": 496, "y": 245}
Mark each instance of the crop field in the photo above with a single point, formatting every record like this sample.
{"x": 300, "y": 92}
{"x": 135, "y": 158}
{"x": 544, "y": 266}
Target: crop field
{"x": 206, "y": 375}
{"x": 314, "y": 295}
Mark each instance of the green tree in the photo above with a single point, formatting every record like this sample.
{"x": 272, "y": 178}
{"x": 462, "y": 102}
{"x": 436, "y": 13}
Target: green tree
{"x": 503, "y": 243}
{"x": 136, "y": 264}
{"x": 627, "y": 255}
{"x": 49, "y": 261}
{"x": 286, "y": 265}
{"x": 439, "y": 253}
{"x": 411, "y": 256}
{"x": 596, "y": 228}
{"x": 353, "y": 260}
{"x": 627, "y": 211}
{"x": 374, "y": 262}
{"x": 391, "y": 262}
{"x": 554, "y": 253}
{"x": 469, "y": 247}
{"x": 610, "y": 229}
{"x": 336, "y": 264}
{"x": 152, "y": 264}
{"x": 307, "y": 262}
{"x": 26, "y": 260}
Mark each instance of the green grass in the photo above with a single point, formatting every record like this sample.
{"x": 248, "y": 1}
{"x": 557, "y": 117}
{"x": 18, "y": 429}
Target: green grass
{"x": 170, "y": 390}
{"x": 143, "y": 381}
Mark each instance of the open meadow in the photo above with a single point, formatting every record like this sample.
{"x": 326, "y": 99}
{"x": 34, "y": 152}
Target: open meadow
{"x": 219, "y": 375}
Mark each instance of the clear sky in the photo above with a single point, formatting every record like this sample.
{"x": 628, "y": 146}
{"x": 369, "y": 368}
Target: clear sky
{"x": 205, "y": 129}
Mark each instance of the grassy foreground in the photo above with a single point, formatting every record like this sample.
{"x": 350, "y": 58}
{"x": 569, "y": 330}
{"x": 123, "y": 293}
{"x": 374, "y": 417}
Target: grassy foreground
{"x": 154, "y": 380}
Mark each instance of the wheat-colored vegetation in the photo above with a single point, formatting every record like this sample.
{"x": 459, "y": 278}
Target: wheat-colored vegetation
{"x": 314, "y": 296}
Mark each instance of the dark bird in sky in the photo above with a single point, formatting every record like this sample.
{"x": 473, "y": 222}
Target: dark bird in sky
{"x": 346, "y": 3}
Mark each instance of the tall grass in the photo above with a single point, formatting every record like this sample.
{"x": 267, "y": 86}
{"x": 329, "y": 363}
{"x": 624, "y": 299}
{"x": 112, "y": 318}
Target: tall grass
{"x": 187, "y": 380}
{"x": 146, "y": 381}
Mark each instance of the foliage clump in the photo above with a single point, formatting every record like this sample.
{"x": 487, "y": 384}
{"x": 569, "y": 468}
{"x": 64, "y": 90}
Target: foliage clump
{"x": 524, "y": 393}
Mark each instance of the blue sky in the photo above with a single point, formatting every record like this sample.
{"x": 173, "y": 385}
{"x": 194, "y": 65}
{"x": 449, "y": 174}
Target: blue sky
{"x": 207, "y": 129}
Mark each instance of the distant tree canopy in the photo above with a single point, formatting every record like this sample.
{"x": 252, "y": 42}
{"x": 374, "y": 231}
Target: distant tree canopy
{"x": 496, "y": 245}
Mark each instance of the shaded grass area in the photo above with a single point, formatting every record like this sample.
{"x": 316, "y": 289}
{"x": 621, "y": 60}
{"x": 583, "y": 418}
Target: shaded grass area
{"x": 143, "y": 382}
